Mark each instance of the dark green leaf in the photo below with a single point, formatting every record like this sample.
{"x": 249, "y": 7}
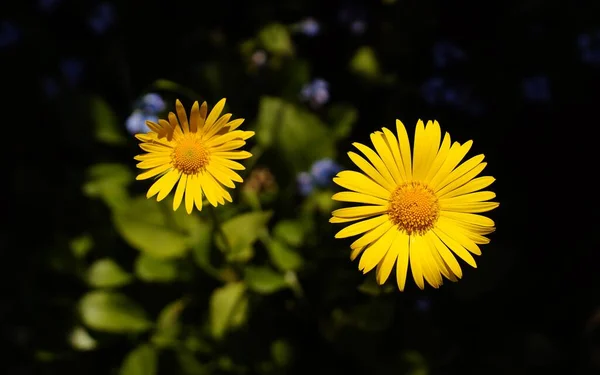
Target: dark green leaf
{"x": 289, "y": 231}
{"x": 282, "y": 256}
{"x": 108, "y": 181}
{"x": 275, "y": 38}
{"x": 241, "y": 232}
{"x": 282, "y": 352}
{"x": 107, "y": 127}
{"x": 364, "y": 63}
{"x": 168, "y": 326}
{"x": 152, "y": 269}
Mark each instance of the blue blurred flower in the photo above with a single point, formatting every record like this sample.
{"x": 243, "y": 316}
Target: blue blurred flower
{"x": 47, "y": 5}
{"x": 446, "y": 53}
{"x": 436, "y": 91}
{"x": 536, "y": 88}
{"x": 353, "y": 17}
{"x": 322, "y": 171}
{"x": 305, "y": 183}
{"x": 310, "y": 27}
{"x": 589, "y": 48}
{"x": 9, "y": 34}
{"x": 136, "y": 122}
{"x": 152, "y": 103}
{"x": 316, "y": 92}
{"x": 423, "y": 304}
{"x": 102, "y": 18}
{"x": 72, "y": 69}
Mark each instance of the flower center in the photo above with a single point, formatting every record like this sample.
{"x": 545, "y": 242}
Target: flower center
{"x": 414, "y": 208}
{"x": 190, "y": 156}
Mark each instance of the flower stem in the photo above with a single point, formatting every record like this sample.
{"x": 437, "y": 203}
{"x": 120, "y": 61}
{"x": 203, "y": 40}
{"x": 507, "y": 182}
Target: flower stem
{"x": 219, "y": 227}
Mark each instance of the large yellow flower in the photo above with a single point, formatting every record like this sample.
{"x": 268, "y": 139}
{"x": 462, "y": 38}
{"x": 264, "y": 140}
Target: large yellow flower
{"x": 419, "y": 209}
{"x": 197, "y": 156}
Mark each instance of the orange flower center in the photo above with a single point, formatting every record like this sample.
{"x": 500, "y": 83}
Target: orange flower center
{"x": 190, "y": 156}
{"x": 414, "y": 208}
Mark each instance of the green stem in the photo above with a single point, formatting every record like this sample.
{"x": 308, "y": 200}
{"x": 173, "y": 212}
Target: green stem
{"x": 219, "y": 227}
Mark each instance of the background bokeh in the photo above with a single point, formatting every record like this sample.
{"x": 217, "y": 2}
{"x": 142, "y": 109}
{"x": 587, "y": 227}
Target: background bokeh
{"x": 98, "y": 280}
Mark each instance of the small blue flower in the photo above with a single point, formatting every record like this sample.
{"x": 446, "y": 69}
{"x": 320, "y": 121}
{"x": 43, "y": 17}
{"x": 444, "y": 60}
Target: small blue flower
{"x": 310, "y": 27}
{"x": 9, "y": 34}
{"x": 72, "y": 70}
{"x": 423, "y": 304}
{"x": 322, "y": 171}
{"x": 445, "y": 53}
{"x": 432, "y": 90}
{"x": 358, "y": 27}
{"x": 102, "y": 18}
{"x": 589, "y": 48}
{"x": 305, "y": 183}
{"x": 152, "y": 103}
{"x": 353, "y": 17}
{"x": 316, "y": 92}
{"x": 536, "y": 89}
{"x": 136, "y": 122}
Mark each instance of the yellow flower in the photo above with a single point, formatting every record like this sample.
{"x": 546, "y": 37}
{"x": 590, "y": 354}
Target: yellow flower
{"x": 420, "y": 210}
{"x": 197, "y": 156}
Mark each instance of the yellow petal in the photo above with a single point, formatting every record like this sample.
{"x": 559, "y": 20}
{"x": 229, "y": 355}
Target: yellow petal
{"x": 182, "y": 116}
{"x": 226, "y": 171}
{"x": 473, "y": 185}
{"x": 355, "y": 253}
{"x": 228, "y": 163}
{"x": 458, "y": 235}
{"x": 219, "y": 125}
{"x": 196, "y": 122}
{"x": 420, "y": 150}
{"x": 479, "y": 196}
{"x": 372, "y": 235}
{"x": 402, "y": 243}
{"x": 234, "y": 124}
{"x": 434, "y": 136}
{"x": 235, "y": 155}
{"x": 455, "y": 155}
{"x": 153, "y": 147}
{"x": 361, "y": 227}
{"x": 439, "y": 159}
{"x": 377, "y": 163}
{"x": 215, "y": 113}
{"x": 370, "y": 171}
{"x": 404, "y": 145}
{"x": 153, "y": 172}
{"x": 208, "y": 187}
{"x": 415, "y": 261}
{"x": 220, "y": 176}
{"x": 386, "y": 156}
{"x": 203, "y": 111}
{"x": 376, "y": 251}
{"x": 358, "y": 182}
{"x": 392, "y": 143}
{"x": 168, "y": 182}
{"x": 154, "y": 162}
{"x": 384, "y": 268}
{"x": 157, "y": 186}
{"x": 454, "y": 182}
{"x": 179, "y": 192}
{"x": 359, "y": 211}
{"x": 198, "y": 195}
{"x": 468, "y": 218}
{"x": 339, "y": 220}
{"x": 455, "y": 247}
{"x": 351, "y": 196}
{"x": 231, "y": 145}
{"x": 472, "y": 207}
{"x": 190, "y": 192}
{"x": 430, "y": 270}
{"x": 445, "y": 253}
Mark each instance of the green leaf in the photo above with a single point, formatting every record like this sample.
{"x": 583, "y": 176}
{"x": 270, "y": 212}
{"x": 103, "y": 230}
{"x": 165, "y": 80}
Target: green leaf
{"x": 282, "y": 256}
{"x": 282, "y": 352}
{"x": 290, "y": 232}
{"x": 108, "y": 181}
{"x": 298, "y": 135}
{"x": 275, "y": 38}
{"x": 106, "y": 273}
{"x": 264, "y": 280}
{"x": 112, "y": 312}
{"x": 189, "y": 364}
{"x": 228, "y": 306}
{"x": 143, "y": 360}
{"x": 81, "y": 340}
{"x": 241, "y": 232}
{"x": 168, "y": 326}
{"x": 343, "y": 118}
{"x": 371, "y": 287}
{"x": 202, "y": 246}
{"x": 364, "y": 63}
{"x": 151, "y": 269}
{"x": 166, "y": 85}
{"x": 144, "y": 224}
{"x": 107, "y": 127}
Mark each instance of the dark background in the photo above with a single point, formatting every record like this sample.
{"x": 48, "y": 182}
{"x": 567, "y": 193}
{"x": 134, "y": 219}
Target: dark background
{"x": 530, "y": 308}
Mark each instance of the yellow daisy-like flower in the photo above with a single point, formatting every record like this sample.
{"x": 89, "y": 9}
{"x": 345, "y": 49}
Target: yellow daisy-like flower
{"x": 197, "y": 156}
{"x": 419, "y": 209}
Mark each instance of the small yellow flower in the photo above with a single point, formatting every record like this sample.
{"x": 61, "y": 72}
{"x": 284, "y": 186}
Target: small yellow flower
{"x": 197, "y": 156}
{"x": 419, "y": 210}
